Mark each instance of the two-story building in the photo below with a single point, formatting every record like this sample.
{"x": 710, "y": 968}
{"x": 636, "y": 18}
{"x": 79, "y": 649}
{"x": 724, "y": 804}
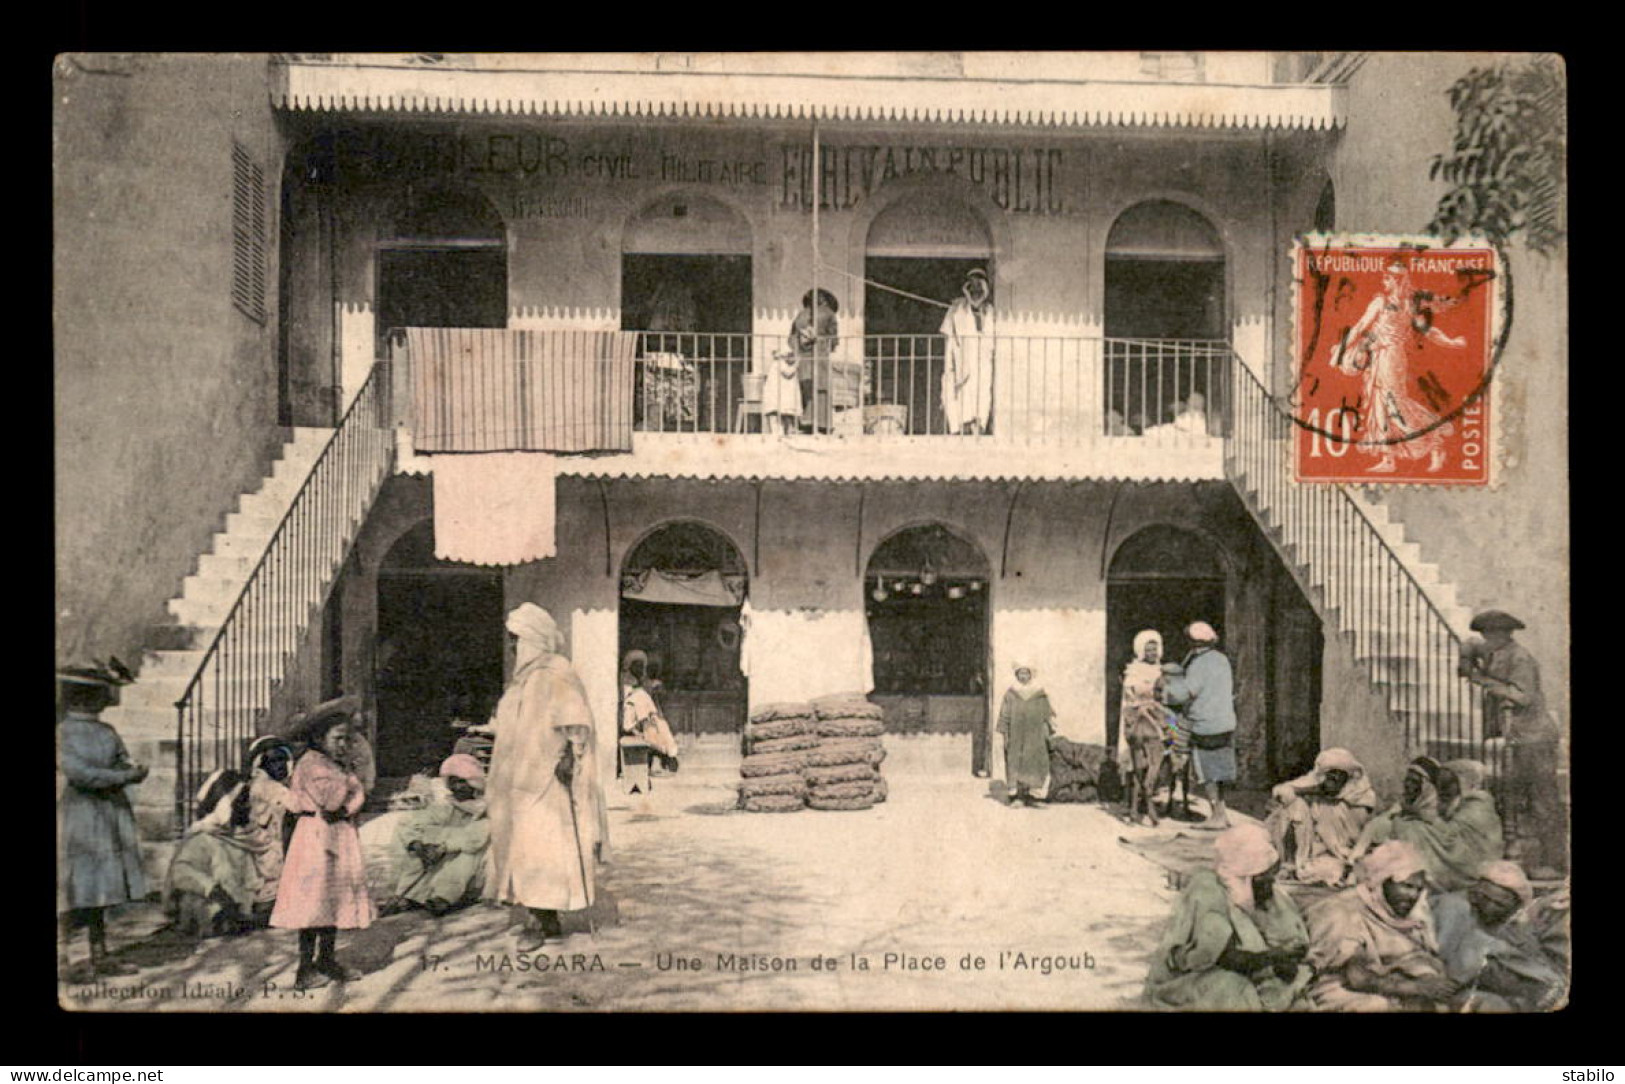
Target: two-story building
{"x": 506, "y": 325}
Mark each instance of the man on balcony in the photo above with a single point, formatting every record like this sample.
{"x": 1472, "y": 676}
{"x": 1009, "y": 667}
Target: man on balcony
{"x": 967, "y": 374}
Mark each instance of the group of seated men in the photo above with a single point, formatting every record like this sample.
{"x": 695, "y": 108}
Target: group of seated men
{"x": 224, "y": 876}
{"x": 1415, "y": 908}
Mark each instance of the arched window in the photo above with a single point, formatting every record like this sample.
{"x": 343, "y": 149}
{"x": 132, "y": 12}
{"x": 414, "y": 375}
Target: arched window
{"x": 1164, "y": 274}
{"x": 1165, "y": 288}
{"x": 686, "y": 281}
{"x": 682, "y": 587}
{"x": 442, "y": 260}
{"x": 924, "y": 244}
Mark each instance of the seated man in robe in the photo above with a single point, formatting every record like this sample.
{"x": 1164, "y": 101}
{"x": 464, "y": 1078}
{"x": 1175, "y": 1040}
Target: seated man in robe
{"x": 1472, "y": 832}
{"x": 1317, "y": 819}
{"x": 1508, "y": 955}
{"x": 1373, "y": 946}
{"x": 1235, "y": 942}
{"x": 1415, "y": 814}
{"x": 213, "y": 879}
{"x": 640, "y": 715}
{"x": 440, "y": 849}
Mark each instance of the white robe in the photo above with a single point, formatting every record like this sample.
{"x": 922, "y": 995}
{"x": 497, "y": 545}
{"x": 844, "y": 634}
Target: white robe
{"x": 967, "y": 374}
{"x": 534, "y": 858}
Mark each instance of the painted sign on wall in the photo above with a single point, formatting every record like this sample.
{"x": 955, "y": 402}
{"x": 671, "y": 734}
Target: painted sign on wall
{"x": 1020, "y": 181}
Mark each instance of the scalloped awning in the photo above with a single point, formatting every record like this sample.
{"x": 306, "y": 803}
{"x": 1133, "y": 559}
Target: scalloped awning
{"x": 733, "y": 457}
{"x": 451, "y": 92}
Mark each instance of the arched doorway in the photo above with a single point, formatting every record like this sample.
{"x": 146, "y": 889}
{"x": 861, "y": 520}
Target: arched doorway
{"x": 439, "y": 652}
{"x": 686, "y": 282}
{"x": 1165, "y": 296}
{"x": 924, "y": 244}
{"x": 926, "y": 597}
{"x": 682, "y": 587}
{"x": 1160, "y": 578}
{"x": 442, "y": 261}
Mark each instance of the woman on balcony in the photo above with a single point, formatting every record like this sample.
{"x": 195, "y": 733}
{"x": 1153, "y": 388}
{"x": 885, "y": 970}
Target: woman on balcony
{"x": 813, "y": 339}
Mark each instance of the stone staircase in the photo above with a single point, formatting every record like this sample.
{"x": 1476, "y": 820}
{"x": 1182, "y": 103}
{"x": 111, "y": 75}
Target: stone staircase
{"x": 145, "y": 717}
{"x": 1397, "y": 612}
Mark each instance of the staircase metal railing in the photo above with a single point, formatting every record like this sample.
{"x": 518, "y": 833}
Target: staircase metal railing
{"x": 249, "y": 656}
{"x": 1367, "y": 592}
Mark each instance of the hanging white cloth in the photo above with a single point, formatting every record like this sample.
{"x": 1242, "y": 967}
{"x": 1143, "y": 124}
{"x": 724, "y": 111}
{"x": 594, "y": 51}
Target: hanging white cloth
{"x": 495, "y": 508}
{"x": 705, "y": 589}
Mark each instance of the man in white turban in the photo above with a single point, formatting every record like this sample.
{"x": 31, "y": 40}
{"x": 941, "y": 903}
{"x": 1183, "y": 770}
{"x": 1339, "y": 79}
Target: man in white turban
{"x": 543, "y": 797}
{"x": 1316, "y": 819}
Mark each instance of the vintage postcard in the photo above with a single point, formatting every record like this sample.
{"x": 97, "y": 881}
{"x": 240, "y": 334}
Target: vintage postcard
{"x": 811, "y": 531}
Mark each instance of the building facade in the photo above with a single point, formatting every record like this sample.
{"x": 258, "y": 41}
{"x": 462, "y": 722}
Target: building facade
{"x": 602, "y": 260}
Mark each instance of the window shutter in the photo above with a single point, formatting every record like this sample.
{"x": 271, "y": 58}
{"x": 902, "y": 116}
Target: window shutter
{"x": 247, "y": 235}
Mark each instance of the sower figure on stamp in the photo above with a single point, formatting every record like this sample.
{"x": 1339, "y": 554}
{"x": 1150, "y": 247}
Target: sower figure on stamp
{"x": 543, "y": 796}
{"x": 1510, "y": 678}
{"x": 1378, "y": 345}
{"x": 99, "y": 865}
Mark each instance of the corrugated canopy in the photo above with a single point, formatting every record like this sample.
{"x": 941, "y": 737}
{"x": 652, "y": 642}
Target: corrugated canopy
{"x": 435, "y": 90}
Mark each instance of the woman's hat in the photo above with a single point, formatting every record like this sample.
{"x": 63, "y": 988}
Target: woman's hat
{"x": 110, "y": 674}
{"x": 309, "y": 725}
{"x": 823, "y": 295}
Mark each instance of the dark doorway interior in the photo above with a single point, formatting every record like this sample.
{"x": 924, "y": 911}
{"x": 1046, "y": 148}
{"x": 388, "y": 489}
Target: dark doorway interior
{"x": 692, "y": 646}
{"x": 439, "y": 653}
{"x": 1168, "y": 605}
{"x": 902, "y": 349}
{"x": 697, "y": 309}
{"x": 926, "y": 598}
{"x": 685, "y": 293}
{"x": 442, "y": 287}
{"x": 1296, "y": 647}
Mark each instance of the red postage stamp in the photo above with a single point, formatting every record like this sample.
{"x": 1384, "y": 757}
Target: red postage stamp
{"x": 1395, "y": 351}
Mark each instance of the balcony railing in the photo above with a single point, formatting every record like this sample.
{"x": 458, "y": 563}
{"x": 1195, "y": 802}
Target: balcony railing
{"x": 1408, "y": 648}
{"x": 1028, "y": 389}
{"x": 260, "y": 638}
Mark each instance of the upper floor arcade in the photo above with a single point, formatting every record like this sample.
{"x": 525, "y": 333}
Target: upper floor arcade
{"x": 1128, "y": 259}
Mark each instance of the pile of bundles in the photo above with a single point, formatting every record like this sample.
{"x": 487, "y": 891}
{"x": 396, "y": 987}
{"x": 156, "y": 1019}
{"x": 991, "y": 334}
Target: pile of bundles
{"x": 843, "y": 772}
{"x": 778, "y": 739}
{"x": 825, "y": 755}
{"x": 1076, "y": 771}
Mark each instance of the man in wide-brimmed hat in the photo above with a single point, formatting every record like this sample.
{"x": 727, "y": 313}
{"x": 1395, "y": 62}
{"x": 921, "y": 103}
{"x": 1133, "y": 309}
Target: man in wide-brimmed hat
{"x": 1514, "y": 707}
{"x": 99, "y": 864}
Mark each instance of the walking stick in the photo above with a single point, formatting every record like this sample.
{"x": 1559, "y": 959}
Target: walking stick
{"x": 581, "y": 857}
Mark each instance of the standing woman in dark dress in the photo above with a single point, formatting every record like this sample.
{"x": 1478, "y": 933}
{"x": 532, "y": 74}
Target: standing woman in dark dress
{"x": 99, "y": 865}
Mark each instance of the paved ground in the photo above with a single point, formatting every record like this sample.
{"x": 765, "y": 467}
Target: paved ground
{"x": 911, "y": 888}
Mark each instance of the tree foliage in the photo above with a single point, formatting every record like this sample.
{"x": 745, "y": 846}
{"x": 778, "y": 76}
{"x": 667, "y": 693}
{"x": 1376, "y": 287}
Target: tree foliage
{"x": 1506, "y": 169}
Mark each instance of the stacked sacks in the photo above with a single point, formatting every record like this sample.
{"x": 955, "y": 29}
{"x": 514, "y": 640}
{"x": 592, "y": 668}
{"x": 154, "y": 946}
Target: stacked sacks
{"x": 843, "y": 772}
{"x": 778, "y": 740}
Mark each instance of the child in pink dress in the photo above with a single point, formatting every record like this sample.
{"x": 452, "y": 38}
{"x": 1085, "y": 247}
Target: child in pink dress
{"x": 324, "y": 879}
